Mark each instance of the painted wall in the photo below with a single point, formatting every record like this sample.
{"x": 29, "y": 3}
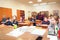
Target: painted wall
{"x": 48, "y": 7}
{"x": 14, "y": 4}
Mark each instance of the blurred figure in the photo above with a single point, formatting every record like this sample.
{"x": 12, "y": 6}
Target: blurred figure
{"x": 34, "y": 21}
{"x": 14, "y": 17}
{"x": 53, "y": 28}
{"x": 45, "y": 21}
{"x": 56, "y": 18}
{"x": 33, "y": 18}
{"x": 22, "y": 18}
{"x": 40, "y": 16}
{"x": 15, "y": 22}
{"x": 59, "y": 28}
{"x": 50, "y": 18}
{"x": 3, "y": 19}
{"x": 8, "y": 22}
{"x": 59, "y": 23}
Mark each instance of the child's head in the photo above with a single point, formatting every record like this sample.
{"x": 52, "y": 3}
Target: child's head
{"x": 51, "y": 17}
{"x": 53, "y": 21}
{"x": 45, "y": 19}
{"x": 8, "y": 19}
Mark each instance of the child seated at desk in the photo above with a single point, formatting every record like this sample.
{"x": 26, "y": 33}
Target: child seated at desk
{"x": 33, "y": 20}
{"x": 59, "y": 23}
{"x": 59, "y": 28}
{"x": 15, "y": 22}
{"x": 45, "y": 21}
{"x": 53, "y": 27}
{"x": 8, "y": 22}
{"x": 3, "y": 20}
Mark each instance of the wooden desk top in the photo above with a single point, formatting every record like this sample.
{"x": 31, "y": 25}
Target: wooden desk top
{"x": 5, "y": 29}
{"x": 23, "y": 23}
{"x": 6, "y": 37}
{"x": 29, "y": 36}
{"x": 26, "y": 36}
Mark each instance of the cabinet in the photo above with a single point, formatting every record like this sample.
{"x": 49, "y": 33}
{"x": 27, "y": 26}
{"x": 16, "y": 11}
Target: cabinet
{"x": 7, "y": 12}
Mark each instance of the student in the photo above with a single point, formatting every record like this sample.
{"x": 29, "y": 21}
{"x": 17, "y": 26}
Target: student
{"x": 34, "y": 21}
{"x": 40, "y": 16}
{"x": 3, "y": 20}
{"x": 53, "y": 28}
{"x": 59, "y": 23}
{"x": 15, "y": 22}
{"x": 59, "y": 28}
{"x": 45, "y": 21}
{"x": 8, "y": 22}
{"x": 50, "y": 18}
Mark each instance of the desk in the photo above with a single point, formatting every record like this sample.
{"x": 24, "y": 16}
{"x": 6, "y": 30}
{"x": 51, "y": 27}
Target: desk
{"x": 44, "y": 26}
{"x": 25, "y": 36}
{"x": 29, "y": 36}
{"x": 23, "y": 24}
{"x": 5, "y": 29}
{"x": 6, "y": 37}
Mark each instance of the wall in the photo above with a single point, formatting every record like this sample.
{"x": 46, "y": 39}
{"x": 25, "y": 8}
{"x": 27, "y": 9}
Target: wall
{"x": 48, "y": 7}
{"x": 14, "y": 4}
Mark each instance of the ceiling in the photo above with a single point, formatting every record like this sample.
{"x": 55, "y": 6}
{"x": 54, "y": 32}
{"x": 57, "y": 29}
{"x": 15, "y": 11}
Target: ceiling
{"x": 35, "y": 1}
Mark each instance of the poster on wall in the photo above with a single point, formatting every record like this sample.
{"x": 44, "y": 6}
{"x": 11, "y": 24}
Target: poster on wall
{"x": 56, "y": 12}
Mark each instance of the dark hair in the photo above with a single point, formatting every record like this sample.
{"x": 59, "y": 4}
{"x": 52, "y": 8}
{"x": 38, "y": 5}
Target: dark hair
{"x": 39, "y": 13}
{"x": 51, "y": 15}
{"x": 8, "y": 18}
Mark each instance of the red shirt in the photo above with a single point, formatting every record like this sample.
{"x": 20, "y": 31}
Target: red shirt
{"x": 58, "y": 33}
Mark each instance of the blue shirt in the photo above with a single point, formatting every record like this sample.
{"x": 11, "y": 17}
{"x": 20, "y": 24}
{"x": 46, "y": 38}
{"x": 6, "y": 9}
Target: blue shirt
{"x": 46, "y": 22}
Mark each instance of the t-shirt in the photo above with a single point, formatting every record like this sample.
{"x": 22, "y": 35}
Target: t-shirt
{"x": 15, "y": 22}
{"x": 9, "y": 23}
{"x": 46, "y": 22}
{"x": 58, "y": 33}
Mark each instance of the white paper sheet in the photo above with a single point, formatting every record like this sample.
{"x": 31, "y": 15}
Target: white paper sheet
{"x": 52, "y": 37}
{"x": 20, "y": 31}
{"x": 39, "y": 32}
{"x": 16, "y": 33}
